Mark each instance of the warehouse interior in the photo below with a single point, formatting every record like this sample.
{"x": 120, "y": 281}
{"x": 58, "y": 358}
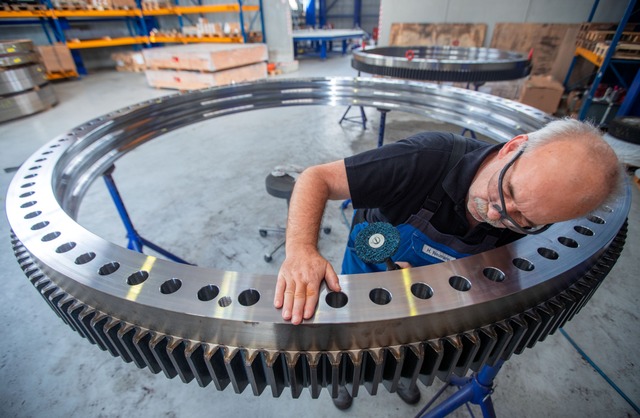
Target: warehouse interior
{"x": 198, "y": 191}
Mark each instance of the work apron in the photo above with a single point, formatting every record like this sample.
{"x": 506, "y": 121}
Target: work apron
{"x": 420, "y": 244}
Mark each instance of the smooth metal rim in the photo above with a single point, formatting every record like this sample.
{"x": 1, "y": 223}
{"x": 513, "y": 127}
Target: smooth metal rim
{"x": 20, "y": 79}
{"x": 54, "y": 180}
{"x": 27, "y": 103}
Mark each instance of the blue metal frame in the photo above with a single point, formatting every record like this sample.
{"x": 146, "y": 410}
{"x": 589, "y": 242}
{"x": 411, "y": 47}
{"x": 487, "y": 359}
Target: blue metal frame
{"x": 476, "y": 389}
{"x": 322, "y": 41}
{"x": 606, "y": 63}
{"x": 136, "y": 241}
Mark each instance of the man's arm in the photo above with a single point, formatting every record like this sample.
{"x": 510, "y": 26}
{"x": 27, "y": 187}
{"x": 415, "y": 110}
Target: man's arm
{"x": 304, "y": 268}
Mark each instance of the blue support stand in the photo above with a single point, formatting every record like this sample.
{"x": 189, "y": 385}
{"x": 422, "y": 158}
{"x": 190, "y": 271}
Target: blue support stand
{"x": 476, "y": 389}
{"x": 136, "y": 241}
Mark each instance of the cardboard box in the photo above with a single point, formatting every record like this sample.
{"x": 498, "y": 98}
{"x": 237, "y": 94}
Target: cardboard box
{"x": 542, "y": 92}
{"x": 205, "y": 57}
{"x": 193, "y": 80}
{"x": 49, "y": 59}
{"x": 56, "y": 58}
{"x": 129, "y": 61}
{"x": 64, "y": 57}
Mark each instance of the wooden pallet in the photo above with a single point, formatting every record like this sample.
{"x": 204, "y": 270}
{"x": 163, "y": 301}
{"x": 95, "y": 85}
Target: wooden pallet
{"x": 59, "y": 75}
{"x": 22, "y": 7}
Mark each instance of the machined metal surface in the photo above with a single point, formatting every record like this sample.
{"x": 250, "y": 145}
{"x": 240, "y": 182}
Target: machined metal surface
{"x": 220, "y": 326}
{"x": 18, "y": 46}
{"x": 442, "y": 63}
{"x": 27, "y": 103}
{"x": 16, "y": 80}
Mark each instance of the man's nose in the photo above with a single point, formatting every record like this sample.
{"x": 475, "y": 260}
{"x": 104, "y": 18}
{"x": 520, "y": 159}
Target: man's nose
{"x": 493, "y": 213}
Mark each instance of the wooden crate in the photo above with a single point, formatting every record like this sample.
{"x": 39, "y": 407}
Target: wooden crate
{"x": 193, "y": 80}
{"x": 466, "y": 35}
{"x": 546, "y": 40}
{"x": 205, "y": 57}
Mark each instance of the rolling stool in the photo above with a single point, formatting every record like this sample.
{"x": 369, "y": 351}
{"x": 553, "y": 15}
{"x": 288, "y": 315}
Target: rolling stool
{"x": 280, "y": 184}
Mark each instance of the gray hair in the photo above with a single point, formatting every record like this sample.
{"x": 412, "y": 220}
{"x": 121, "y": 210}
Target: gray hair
{"x": 560, "y": 129}
{"x": 598, "y": 150}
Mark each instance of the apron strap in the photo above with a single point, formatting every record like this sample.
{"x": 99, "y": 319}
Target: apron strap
{"x": 433, "y": 201}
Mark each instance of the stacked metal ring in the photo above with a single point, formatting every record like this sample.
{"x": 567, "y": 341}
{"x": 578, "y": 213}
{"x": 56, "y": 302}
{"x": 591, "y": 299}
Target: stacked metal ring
{"x": 24, "y": 88}
{"x": 443, "y": 63}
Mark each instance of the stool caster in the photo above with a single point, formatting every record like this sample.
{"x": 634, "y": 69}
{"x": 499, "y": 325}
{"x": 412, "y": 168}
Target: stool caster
{"x": 268, "y": 258}
{"x": 326, "y": 230}
{"x": 263, "y": 233}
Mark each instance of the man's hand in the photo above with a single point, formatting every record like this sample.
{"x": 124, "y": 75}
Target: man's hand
{"x": 298, "y": 284}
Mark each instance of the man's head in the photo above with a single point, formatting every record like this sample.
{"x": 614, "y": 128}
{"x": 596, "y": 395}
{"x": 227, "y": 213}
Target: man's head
{"x": 560, "y": 172}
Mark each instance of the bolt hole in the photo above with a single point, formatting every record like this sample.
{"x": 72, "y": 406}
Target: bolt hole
{"x": 65, "y": 247}
{"x": 137, "y": 278}
{"x": 460, "y": 283}
{"x": 208, "y": 292}
{"x": 548, "y": 253}
{"x": 109, "y": 268}
{"x": 170, "y": 286}
{"x": 523, "y": 264}
{"x": 421, "y": 290}
{"x": 380, "y": 296}
{"x": 32, "y": 215}
{"x": 39, "y": 225}
{"x": 249, "y": 297}
{"x": 494, "y": 274}
{"x": 568, "y": 242}
{"x": 50, "y": 236}
{"x": 85, "y": 258}
{"x": 595, "y": 219}
{"x": 336, "y": 299}
{"x": 583, "y": 230}
{"x": 224, "y": 301}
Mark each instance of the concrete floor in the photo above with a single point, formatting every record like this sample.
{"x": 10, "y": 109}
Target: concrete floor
{"x": 208, "y": 212}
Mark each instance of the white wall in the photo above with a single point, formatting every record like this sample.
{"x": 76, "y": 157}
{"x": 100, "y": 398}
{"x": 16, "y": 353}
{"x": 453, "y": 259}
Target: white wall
{"x": 494, "y": 11}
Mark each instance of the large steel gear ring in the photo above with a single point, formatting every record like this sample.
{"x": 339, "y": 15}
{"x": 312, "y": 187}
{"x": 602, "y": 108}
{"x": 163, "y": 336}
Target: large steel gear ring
{"x": 442, "y": 63}
{"x": 220, "y": 326}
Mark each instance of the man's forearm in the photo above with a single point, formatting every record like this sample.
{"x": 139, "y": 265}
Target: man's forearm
{"x": 313, "y": 189}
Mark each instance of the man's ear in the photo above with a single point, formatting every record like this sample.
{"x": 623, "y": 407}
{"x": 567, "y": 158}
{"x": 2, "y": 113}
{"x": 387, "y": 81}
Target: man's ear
{"x": 513, "y": 144}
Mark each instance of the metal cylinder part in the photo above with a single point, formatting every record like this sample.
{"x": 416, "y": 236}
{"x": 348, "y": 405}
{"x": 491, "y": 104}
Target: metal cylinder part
{"x": 24, "y": 88}
{"x": 220, "y": 326}
{"x": 442, "y": 63}
{"x": 16, "y": 80}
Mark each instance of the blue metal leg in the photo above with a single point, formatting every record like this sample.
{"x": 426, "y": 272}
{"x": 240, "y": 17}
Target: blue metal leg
{"x": 476, "y": 390}
{"x": 383, "y": 123}
{"x": 363, "y": 117}
{"x": 136, "y": 242}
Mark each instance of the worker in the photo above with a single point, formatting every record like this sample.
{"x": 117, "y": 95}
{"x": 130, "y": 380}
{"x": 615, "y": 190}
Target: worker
{"x": 449, "y": 196}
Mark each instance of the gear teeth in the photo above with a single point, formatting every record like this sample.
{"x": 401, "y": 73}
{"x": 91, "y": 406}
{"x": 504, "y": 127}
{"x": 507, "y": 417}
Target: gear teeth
{"x": 125, "y": 338}
{"x": 158, "y": 346}
{"x": 141, "y": 341}
{"x": 214, "y": 360}
{"x": 98, "y": 322}
{"x": 194, "y": 354}
{"x": 176, "y": 353}
{"x": 259, "y": 368}
{"x": 373, "y": 367}
{"x": 234, "y": 363}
